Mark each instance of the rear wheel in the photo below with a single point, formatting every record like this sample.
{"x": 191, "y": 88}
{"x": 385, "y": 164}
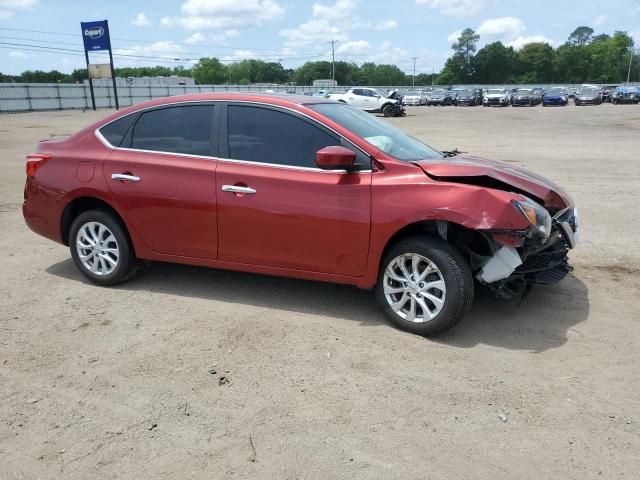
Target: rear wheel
{"x": 424, "y": 286}
{"x": 100, "y": 248}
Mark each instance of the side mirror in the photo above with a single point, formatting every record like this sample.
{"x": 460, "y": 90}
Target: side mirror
{"x": 335, "y": 157}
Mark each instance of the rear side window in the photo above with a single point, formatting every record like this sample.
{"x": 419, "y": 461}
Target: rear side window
{"x": 115, "y": 131}
{"x": 182, "y": 129}
{"x": 270, "y": 136}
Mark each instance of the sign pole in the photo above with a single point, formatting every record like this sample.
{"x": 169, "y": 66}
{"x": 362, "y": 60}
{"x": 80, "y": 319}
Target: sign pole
{"x": 93, "y": 98}
{"x": 113, "y": 73}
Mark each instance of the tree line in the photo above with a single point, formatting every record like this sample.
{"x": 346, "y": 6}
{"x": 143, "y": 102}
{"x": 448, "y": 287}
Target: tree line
{"x": 584, "y": 57}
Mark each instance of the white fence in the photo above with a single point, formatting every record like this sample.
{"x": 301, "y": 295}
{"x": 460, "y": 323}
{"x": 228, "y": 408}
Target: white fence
{"x": 24, "y": 97}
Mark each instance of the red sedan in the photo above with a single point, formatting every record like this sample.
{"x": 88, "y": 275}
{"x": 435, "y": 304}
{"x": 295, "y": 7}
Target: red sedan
{"x": 301, "y": 187}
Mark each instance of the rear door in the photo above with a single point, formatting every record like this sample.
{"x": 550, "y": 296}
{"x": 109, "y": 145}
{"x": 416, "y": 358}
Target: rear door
{"x": 275, "y": 208}
{"x": 163, "y": 178}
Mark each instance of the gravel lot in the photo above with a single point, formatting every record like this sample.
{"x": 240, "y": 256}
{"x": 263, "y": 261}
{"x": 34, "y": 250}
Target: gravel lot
{"x": 126, "y": 382}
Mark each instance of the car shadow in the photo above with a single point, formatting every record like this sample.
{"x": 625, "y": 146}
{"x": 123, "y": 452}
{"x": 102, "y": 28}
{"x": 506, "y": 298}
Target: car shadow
{"x": 537, "y": 323}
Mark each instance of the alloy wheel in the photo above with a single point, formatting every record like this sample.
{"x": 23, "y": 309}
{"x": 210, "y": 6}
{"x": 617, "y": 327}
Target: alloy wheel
{"x": 414, "y": 288}
{"x": 97, "y": 248}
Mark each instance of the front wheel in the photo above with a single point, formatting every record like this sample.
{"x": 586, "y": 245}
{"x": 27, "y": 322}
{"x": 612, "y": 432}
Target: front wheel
{"x": 424, "y": 285}
{"x": 388, "y": 110}
{"x": 100, "y": 248}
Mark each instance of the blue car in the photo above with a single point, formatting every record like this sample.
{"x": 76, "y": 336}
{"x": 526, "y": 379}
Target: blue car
{"x": 556, "y": 96}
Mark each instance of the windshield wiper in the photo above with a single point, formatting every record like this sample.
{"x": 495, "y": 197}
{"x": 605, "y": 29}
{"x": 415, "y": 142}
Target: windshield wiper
{"x": 452, "y": 153}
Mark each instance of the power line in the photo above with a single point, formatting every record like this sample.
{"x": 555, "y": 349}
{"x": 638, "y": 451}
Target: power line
{"x": 150, "y": 42}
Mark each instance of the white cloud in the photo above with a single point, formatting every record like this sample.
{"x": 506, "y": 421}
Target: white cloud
{"x": 454, "y": 8}
{"x": 385, "y": 25}
{"x": 230, "y": 14}
{"x": 453, "y": 38}
{"x": 17, "y": 54}
{"x": 141, "y": 20}
{"x": 354, "y": 46}
{"x": 239, "y": 55}
{"x": 599, "y": 20}
{"x": 8, "y": 8}
{"x": 504, "y": 27}
{"x": 520, "y": 41}
{"x": 195, "y": 39}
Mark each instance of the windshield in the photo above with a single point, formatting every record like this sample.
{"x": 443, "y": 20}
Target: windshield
{"x": 413, "y": 93}
{"x": 438, "y": 92}
{"x": 556, "y": 90}
{"x": 589, "y": 91}
{"x": 523, "y": 91}
{"x": 464, "y": 93}
{"x": 378, "y": 133}
{"x": 383, "y": 95}
{"x": 495, "y": 91}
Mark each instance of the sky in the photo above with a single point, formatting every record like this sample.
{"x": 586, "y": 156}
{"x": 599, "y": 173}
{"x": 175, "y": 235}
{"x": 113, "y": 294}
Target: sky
{"x": 45, "y": 34}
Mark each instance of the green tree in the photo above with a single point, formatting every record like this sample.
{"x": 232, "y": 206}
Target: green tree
{"x": 535, "y": 63}
{"x": 581, "y": 36}
{"x": 210, "y": 70}
{"x": 495, "y": 63}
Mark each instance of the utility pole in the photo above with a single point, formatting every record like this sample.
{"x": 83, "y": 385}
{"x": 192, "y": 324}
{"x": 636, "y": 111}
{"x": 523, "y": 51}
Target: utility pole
{"x": 333, "y": 59}
{"x": 629, "y": 71}
{"x": 414, "y": 70}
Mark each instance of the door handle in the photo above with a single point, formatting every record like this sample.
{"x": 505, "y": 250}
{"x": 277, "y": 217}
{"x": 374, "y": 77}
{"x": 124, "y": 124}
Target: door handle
{"x": 237, "y": 189}
{"x": 124, "y": 177}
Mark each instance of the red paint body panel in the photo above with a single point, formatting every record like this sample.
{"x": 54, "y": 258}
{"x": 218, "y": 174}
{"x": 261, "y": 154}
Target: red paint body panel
{"x": 298, "y": 219}
{"x": 173, "y": 206}
{"x": 303, "y": 223}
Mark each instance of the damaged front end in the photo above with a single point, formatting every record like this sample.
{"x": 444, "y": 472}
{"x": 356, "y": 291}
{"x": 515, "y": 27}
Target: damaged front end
{"x": 537, "y": 256}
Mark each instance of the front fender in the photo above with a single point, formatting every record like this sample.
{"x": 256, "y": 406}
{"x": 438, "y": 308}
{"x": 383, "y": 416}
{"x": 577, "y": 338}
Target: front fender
{"x": 403, "y": 195}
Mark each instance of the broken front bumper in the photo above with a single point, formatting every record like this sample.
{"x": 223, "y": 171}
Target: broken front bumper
{"x": 511, "y": 270}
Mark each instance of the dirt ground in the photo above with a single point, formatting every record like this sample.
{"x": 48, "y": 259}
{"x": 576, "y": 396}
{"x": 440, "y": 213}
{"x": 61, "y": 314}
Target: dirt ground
{"x": 127, "y": 382}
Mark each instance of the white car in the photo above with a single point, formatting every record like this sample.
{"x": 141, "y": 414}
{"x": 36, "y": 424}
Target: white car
{"x": 496, "y": 96}
{"x": 370, "y": 100}
{"x": 415, "y": 97}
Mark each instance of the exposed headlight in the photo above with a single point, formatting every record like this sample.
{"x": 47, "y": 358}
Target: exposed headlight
{"x": 536, "y": 214}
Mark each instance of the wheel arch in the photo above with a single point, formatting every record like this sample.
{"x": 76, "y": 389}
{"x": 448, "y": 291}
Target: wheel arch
{"x": 469, "y": 242}
{"x": 83, "y": 204}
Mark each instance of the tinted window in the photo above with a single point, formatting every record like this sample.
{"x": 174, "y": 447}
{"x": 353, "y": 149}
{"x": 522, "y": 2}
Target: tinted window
{"x": 270, "y": 136}
{"x": 357, "y": 91}
{"x": 115, "y": 131}
{"x": 182, "y": 129}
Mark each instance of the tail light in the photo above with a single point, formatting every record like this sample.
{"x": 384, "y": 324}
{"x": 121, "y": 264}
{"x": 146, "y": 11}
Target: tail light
{"x": 35, "y": 161}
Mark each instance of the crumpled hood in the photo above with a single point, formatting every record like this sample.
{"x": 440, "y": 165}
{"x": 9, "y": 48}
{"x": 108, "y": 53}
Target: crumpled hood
{"x": 483, "y": 172}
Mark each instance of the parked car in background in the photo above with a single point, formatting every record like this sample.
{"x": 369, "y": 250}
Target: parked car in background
{"x": 524, "y": 97}
{"x": 626, "y": 95}
{"x": 607, "y": 92}
{"x": 477, "y": 93}
{"x": 496, "y": 96}
{"x": 539, "y": 93}
{"x": 466, "y": 97}
{"x": 571, "y": 92}
{"x": 415, "y": 98}
{"x": 588, "y": 95}
{"x": 556, "y": 96}
{"x": 370, "y": 100}
{"x": 440, "y": 97}
{"x": 301, "y": 187}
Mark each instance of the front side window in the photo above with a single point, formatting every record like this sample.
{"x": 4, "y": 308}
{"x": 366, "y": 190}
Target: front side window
{"x": 182, "y": 129}
{"x": 270, "y": 136}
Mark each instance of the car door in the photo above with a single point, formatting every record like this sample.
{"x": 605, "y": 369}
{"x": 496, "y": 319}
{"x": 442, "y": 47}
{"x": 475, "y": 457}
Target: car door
{"x": 275, "y": 208}
{"x": 163, "y": 179}
{"x": 358, "y": 98}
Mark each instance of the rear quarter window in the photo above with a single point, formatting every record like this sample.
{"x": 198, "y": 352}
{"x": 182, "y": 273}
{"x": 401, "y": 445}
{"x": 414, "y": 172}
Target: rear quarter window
{"x": 115, "y": 131}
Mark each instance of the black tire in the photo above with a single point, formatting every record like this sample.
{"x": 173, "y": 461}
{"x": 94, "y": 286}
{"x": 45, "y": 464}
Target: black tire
{"x": 455, "y": 273}
{"x": 388, "y": 110}
{"x": 126, "y": 265}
